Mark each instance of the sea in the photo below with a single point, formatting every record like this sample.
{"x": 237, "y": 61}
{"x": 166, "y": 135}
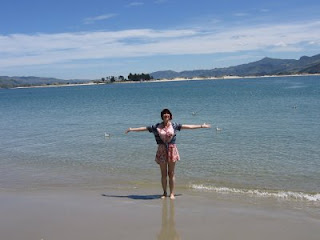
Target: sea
{"x": 263, "y": 142}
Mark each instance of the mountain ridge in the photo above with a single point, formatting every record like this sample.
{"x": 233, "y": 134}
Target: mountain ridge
{"x": 263, "y": 67}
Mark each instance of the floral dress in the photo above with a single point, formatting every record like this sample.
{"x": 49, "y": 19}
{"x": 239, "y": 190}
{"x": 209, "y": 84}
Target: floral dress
{"x": 166, "y": 152}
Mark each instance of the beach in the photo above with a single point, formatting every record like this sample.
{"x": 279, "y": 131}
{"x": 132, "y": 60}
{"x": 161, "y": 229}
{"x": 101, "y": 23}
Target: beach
{"x": 68, "y": 170}
{"x": 141, "y": 214}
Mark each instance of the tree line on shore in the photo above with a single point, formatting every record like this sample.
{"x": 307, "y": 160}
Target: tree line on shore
{"x": 131, "y": 77}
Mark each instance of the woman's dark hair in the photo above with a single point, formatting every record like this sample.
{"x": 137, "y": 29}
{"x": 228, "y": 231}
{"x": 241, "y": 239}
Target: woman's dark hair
{"x": 166, "y": 111}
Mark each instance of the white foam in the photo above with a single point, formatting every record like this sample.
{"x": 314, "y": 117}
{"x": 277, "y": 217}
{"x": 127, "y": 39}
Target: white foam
{"x": 279, "y": 194}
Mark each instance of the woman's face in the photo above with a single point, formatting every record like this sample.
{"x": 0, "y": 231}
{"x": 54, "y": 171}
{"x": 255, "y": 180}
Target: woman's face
{"x": 166, "y": 117}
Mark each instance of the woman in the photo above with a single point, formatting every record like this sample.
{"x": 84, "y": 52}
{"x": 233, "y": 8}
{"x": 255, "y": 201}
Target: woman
{"x": 167, "y": 153}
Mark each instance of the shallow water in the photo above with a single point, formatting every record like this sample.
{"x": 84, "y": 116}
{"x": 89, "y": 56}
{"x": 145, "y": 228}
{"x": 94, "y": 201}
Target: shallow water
{"x": 266, "y": 145}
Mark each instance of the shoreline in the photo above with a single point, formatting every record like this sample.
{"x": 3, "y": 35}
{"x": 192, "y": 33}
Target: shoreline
{"x": 232, "y": 77}
{"x": 170, "y": 80}
{"x": 101, "y": 214}
{"x": 218, "y": 78}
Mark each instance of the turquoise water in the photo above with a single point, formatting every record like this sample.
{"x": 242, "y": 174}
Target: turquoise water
{"x": 267, "y": 143}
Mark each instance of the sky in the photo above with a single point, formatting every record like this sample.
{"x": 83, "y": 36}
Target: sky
{"x": 91, "y": 39}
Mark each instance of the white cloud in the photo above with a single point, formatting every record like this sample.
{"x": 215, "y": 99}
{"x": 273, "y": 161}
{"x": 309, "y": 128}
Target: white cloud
{"x": 281, "y": 44}
{"x": 92, "y": 20}
{"x": 135, "y": 4}
{"x": 23, "y": 50}
{"x": 314, "y": 42}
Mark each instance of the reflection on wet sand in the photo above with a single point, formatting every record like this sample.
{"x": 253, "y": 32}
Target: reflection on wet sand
{"x": 168, "y": 225}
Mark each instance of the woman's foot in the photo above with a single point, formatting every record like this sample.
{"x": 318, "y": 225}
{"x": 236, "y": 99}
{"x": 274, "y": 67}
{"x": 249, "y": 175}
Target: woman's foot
{"x": 172, "y": 196}
{"x": 164, "y": 195}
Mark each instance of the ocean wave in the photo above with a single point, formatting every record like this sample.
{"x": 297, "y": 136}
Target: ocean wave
{"x": 261, "y": 193}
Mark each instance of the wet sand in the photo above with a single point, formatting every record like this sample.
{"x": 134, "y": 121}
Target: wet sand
{"x": 137, "y": 214}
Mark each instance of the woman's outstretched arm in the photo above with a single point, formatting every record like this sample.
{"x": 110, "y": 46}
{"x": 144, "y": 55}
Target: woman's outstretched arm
{"x": 139, "y": 129}
{"x": 185, "y": 126}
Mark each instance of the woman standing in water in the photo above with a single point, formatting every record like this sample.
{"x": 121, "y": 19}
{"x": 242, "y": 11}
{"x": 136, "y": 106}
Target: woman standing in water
{"x": 167, "y": 153}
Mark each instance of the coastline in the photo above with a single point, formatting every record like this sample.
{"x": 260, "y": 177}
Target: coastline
{"x": 104, "y": 214}
{"x": 171, "y": 80}
{"x": 231, "y": 77}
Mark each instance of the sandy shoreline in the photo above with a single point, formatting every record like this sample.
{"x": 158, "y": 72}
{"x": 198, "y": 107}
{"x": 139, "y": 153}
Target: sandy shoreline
{"x": 141, "y": 214}
{"x": 218, "y": 78}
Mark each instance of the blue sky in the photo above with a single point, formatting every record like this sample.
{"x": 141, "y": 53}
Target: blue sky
{"x": 98, "y": 38}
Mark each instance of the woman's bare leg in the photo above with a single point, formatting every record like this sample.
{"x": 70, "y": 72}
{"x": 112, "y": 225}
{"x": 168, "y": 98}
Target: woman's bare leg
{"x": 164, "y": 173}
{"x": 171, "y": 167}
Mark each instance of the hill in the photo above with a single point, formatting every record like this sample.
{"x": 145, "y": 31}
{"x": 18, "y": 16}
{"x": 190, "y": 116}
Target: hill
{"x": 265, "y": 66}
{"x": 12, "y": 82}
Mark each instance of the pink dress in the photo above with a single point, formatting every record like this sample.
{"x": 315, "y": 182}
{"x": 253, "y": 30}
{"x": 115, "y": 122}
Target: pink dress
{"x": 167, "y": 152}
